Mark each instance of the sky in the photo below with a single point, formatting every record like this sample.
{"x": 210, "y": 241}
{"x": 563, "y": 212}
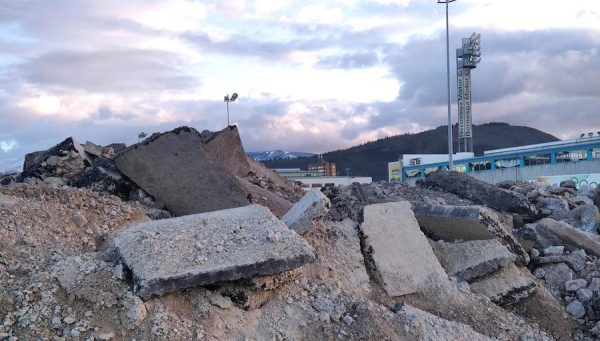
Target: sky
{"x": 311, "y": 76}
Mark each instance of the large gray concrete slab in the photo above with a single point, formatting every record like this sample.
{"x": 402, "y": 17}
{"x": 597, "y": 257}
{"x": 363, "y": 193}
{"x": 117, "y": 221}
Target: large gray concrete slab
{"x": 505, "y": 286}
{"x": 472, "y": 259}
{"x": 451, "y": 223}
{"x": 225, "y": 147}
{"x": 200, "y": 249}
{"x": 313, "y": 206}
{"x": 175, "y": 169}
{"x": 399, "y": 251}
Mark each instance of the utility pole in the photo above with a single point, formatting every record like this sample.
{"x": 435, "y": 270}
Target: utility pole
{"x": 450, "y": 163}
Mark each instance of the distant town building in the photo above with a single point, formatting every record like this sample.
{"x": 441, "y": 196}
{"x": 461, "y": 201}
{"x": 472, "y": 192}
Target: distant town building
{"x": 323, "y": 168}
{"x": 291, "y": 173}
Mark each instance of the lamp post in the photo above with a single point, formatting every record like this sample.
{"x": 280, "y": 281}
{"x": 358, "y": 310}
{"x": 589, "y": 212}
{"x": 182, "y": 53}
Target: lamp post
{"x": 227, "y": 100}
{"x": 450, "y": 163}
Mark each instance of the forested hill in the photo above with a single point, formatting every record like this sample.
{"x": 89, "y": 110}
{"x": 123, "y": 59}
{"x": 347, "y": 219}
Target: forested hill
{"x": 371, "y": 158}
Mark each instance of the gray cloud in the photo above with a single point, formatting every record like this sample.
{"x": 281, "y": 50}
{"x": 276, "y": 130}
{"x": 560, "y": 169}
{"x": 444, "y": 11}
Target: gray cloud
{"x": 350, "y": 61}
{"x": 120, "y": 71}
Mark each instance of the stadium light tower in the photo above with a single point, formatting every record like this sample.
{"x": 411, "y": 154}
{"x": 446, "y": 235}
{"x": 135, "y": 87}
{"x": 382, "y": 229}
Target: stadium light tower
{"x": 227, "y": 100}
{"x": 467, "y": 58}
{"x": 450, "y": 163}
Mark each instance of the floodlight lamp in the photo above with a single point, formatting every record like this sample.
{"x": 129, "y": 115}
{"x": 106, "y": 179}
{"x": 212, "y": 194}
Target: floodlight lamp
{"x": 582, "y": 135}
{"x": 226, "y": 99}
{"x": 445, "y": 1}
{"x": 590, "y": 134}
{"x": 234, "y": 96}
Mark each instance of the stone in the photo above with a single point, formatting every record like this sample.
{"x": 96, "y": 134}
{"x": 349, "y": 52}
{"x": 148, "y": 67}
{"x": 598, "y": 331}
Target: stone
{"x": 69, "y": 320}
{"x": 135, "y": 311}
{"x": 472, "y": 259}
{"x": 313, "y": 206}
{"x": 105, "y": 336}
{"x": 583, "y": 200}
{"x": 584, "y": 294}
{"x": 575, "y": 284}
{"x": 324, "y": 317}
{"x": 576, "y": 309}
{"x": 583, "y": 217}
{"x": 221, "y": 301}
{"x": 79, "y": 220}
{"x": 348, "y": 320}
{"x": 225, "y": 147}
{"x": 481, "y": 192}
{"x": 451, "y": 223}
{"x": 575, "y": 260}
{"x": 174, "y": 169}
{"x": 568, "y": 184}
{"x": 594, "y": 284}
{"x": 553, "y": 205}
{"x": 162, "y": 255}
{"x": 397, "y": 248}
{"x": 557, "y": 275}
{"x": 560, "y": 190}
{"x": 554, "y": 250}
{"x": 421, "y": 325}
{"x": 548, "y": 232}
{"x": 505, "y": 286}
{"x": 68, "y": 160}
{"x": 539, "y": 273}
{"x": 534, "y": 253}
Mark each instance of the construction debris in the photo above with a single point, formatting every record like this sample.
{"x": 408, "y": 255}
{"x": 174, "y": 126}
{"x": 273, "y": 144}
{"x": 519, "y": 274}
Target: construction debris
{"x": 398, "y": 249}
{"x": 173, "y": 254}
{"x": 506, "y": 286}
{"x": 312, "y": 207}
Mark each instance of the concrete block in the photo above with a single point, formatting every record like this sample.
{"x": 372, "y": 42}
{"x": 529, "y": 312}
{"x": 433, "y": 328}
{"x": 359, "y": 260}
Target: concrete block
{"x": 472, "y": 259}
{"x": 548, "y": 232}
{"x": 172, "y": 254}
{"x": 450, "y": 223}
{"x": 584, "y": 217}
{"x": 398, "y": 249}
{"x": 506, "y": 286}
{"x": 225, "y": 147}
{"x": 481, "y": 192}
{"x": 175, "y": 169}
{"x": 313, "y": 206}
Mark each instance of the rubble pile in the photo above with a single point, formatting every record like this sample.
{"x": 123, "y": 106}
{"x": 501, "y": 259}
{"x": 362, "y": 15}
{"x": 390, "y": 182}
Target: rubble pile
{"x": 249, "y": 256}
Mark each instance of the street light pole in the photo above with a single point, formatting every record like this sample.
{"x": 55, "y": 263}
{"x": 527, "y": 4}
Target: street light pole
{"x": 450, "y": 163}
{"x": 228, "y": 99}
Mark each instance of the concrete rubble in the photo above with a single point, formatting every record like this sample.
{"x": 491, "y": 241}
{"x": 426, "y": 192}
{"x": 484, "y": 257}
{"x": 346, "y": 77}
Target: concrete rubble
{"x": 450, "y": 223}
{"x": 173, "y": 254}
{"x": 471, "y": 259}
{"x": 313, "y": 206}
{"x": 105, "y": 261}
{"x": 399, "y": 251}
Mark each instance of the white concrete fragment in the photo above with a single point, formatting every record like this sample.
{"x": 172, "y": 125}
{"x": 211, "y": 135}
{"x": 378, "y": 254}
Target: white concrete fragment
{"x": 313, "y": 206}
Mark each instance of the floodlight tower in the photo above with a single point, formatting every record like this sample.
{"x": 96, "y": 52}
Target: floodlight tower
{"x": 467, "y": 58}
{"x": 227, "y": 100}
{"x": 450, "y": 163}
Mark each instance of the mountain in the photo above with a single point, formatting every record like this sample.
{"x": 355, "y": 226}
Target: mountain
{"x": 277, "y": 155}
{"x": 371, "y": 158}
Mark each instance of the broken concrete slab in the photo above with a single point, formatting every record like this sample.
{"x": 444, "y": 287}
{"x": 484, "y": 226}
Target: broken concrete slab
{"x": 397, "y": 249}
{"x": 576, "y": 260}
{"x": 548, "y": 232}
{"x": 472, "y": 259}
{"x": 505, "y": 286}
{"x": 175, "y": 170}
{"x": 200, "y": 249}
{"x": 313, "y": 206}
{"x": 225, "y": 147}
{"x": 481, "y": 192}
{"x": 583, "y": 217}
{"x": 67, "y": 159}
{"x": 450, "y": 223}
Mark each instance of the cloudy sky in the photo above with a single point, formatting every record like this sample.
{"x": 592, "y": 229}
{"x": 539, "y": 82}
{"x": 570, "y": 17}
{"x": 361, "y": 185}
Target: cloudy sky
{"x": 311, "y": 76}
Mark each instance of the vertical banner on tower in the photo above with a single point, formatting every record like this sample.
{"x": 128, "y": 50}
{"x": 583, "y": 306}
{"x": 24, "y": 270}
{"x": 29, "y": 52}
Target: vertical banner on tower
{"x": 461, "y": 104}
{"x": 467, "y": 103}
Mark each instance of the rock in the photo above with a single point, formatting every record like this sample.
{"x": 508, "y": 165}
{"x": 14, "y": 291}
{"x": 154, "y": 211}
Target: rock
{"x": 313, "y": 206}
{"x": 54, "y": 181}
{"x": 557, "y": 275}
{"x": 554, "y": 250}
{"x": 421, "y": 325}
{"x": 225, "y": 148}
{"x": 576, "y": 260}
{"x": 221, "y": 301}
{"x": 594, "y": 284}
{"x": 576, "y": 309}
{"x": 69, "y": 320}
{"x": 568, "y": 184}
{"x": 135, "y": 311}
{"x": 539, "y": 273}
{"x": 553, "y": 205}
{"x": 162, "y": 255}
{"x": 472, "y": 259}
{"x": 174, "y": 168}
{"x": 548, "y": 232}
{"x": 104, "y": 176}
{"x": 325, "y": 305}
{"x": 450, "y": 223}
{"x": 68, "y": 160}
{"x": 481, "y": 192}
{"x": 576, "y": 284}
{"x": 584, "y": 294}
{"x": 105, "y": 336}
{"x": 79, "y": 220}
{"x": 324, "y": 317}
{"x": 397, "y": 248}
{"x": 583, "y": 217}
{"x": 505, "y": 286}
{"x": 583, "y": 200}
{"x": 534, "y": 253}
{"x": 348, "y": 320}
{"x": 560, "y": 190}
